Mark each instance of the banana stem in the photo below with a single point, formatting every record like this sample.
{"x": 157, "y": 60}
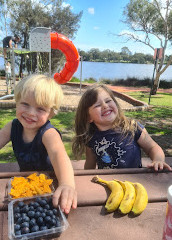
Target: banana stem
{"x": 97, "y": 179}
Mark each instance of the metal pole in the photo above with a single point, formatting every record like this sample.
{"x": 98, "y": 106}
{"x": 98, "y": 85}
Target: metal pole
{"x": 37, "y": 58}
{"x": 81, "y": 58}
{"x": 13, "y": 69}
{"x": 49, "y": 64}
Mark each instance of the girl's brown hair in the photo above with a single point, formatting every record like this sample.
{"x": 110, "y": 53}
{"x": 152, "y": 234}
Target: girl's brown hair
{"x": 84, "y": 130}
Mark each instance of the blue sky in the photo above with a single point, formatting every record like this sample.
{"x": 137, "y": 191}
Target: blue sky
{"x": 101, "y": 19}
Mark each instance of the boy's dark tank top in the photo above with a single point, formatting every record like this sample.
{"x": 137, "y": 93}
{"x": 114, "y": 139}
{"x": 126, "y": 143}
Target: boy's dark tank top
{"x": 30, "y": 156}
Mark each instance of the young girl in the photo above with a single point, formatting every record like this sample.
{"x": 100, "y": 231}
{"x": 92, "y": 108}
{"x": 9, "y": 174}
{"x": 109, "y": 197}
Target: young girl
{"x": 36, "y": 143}
{"x": 109, "y": 138}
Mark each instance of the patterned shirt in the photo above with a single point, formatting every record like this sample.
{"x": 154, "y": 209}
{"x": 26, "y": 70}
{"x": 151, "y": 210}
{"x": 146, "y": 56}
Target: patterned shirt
{"x": 112, "y": 150}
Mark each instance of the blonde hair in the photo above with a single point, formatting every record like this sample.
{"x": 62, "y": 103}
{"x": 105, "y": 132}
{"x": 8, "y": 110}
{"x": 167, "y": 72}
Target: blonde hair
{"x": 46, "y": 91}
{"x": 84, "y": 130}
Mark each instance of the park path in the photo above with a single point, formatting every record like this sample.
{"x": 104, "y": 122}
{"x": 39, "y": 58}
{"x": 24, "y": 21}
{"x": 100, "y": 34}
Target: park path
{"x": 135, "y": 89}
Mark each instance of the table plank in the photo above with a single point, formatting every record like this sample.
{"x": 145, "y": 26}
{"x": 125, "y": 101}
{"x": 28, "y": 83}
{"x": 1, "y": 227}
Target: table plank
{"x": 92, "y": 223}
{"x": 90, "y": 193}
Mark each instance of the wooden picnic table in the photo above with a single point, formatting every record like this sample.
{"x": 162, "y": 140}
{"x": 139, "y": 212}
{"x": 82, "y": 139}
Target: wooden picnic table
{"x": 90, "y": 221}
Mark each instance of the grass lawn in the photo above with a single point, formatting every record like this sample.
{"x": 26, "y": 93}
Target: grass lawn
{"x": 157, "y": 121}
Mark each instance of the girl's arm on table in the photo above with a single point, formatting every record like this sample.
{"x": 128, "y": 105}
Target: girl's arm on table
{"x": 5, "y": 134}
{"x": 90, "y": 162}
{"x": 65, "y": 193}
{"x": 154, "y": 151}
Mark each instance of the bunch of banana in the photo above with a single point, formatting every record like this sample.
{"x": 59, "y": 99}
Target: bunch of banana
{"x": 116, "y": 195}
{"x": 126, "y": 196}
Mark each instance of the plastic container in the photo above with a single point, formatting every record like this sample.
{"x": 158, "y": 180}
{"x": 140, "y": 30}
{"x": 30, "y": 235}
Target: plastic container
{"x": 18, "y": 225}
{"x": 167, "y": 232}
{"x": 9, "y": 188}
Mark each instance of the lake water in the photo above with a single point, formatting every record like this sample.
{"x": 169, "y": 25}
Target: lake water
{"x": 99, "y": 70}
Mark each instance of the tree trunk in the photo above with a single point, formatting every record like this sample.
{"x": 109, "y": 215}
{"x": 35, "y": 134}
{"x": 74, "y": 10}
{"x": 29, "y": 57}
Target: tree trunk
{"x": 155, "y": 84}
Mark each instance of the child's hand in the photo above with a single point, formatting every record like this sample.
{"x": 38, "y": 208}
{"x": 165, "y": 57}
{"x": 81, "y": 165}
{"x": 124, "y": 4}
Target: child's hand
{"x": 66, "y": 197}
{"x": 159, "y": 165}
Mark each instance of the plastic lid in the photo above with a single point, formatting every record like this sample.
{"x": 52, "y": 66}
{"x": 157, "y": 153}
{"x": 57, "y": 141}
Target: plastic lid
{"x": 169, "y": 194}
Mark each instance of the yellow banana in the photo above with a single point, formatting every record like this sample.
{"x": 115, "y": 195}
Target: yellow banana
{"x": 141, "y": 199}
{"x": 129, "y": 197}
{"x": 116, "y": 195}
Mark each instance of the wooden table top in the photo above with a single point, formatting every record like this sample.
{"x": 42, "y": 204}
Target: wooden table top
{"x": 92, "y": 223}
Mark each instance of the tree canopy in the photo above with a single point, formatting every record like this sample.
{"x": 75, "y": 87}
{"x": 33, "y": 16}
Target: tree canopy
{"x": 23, "y": 16}
{"x": 148, "y": 20}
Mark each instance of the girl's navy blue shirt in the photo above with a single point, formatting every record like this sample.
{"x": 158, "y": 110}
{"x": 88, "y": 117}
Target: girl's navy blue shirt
{"x": 112, "y": 150}
{"x": 31, "y": 156}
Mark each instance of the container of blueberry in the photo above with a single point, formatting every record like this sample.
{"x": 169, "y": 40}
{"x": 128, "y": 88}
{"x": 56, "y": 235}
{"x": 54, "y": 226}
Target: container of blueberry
{"x": 35, "y": 218}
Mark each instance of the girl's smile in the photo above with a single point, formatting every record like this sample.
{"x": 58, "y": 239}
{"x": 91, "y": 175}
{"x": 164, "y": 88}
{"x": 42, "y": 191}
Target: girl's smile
{"x": 103, "y": 112}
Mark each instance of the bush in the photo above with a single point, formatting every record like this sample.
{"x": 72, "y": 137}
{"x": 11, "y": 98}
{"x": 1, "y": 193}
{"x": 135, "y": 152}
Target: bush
{"x": 2, "y": 72}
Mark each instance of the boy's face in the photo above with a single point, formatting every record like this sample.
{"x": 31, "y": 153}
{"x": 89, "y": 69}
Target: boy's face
{"x": 103, "y": 112}
{"x": 31, "y": 115}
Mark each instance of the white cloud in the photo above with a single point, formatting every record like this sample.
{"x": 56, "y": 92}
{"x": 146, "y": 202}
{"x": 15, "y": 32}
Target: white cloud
{"x": 91, "y": 11}
{"x": 96, "y": 28}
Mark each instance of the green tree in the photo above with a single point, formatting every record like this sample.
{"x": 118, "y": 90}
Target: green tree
{"x": 154, "y": 20}
{"x": 26, "y": 15}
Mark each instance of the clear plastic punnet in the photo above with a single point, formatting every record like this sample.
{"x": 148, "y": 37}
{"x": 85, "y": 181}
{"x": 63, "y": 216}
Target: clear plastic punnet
{"x": 35, "y": 218}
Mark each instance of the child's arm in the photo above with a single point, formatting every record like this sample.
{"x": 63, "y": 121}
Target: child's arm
{"x": 5, "y": 134}
{"x": 65, "y": 193}
{"x": 90, "y": 162}
{"x": 154, "y": 151}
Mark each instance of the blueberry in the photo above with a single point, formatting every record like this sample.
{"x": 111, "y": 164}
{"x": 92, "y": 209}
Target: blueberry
{"x": 38, "y": 199}
{"x": 19, "y": 220}
{"x": 18, "y": 232}
{"x": 16, "y": 210}
{"x": 21, "y": 204}
{"x": 35, "y": 228}
{"x": 25, "y": 209}
{"x": 23, "y": 215}
{"x": 31, "y": 204}
{"x": 43, "y": 214}
{"x": 31, "y": 214}
{"x": 25, "y": 224}
{"x": 43, "y": 202}
{"x": 48, "y": 219}
{"x": 37, "y": 214}
{"x": 39, "y": 209}
{"x": 36, "y": 204}
{"x": 17, "y": 215}
{"x": 58, "y": 223}
{"x": 32, "y": 222}
{"x": 17, "y": 227}
{"x": 43, "y": 228}
{"x": 40, "y": 221}
{"x": 53, "y": 222}
{"x": 50, "y": 213}
{"x": 55, "y": 211}
{"x": 47, "y": 206}
{"x": 31, "y": 208}
{"x": 26, "y": 219}
{"x": 25, "y": 230}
